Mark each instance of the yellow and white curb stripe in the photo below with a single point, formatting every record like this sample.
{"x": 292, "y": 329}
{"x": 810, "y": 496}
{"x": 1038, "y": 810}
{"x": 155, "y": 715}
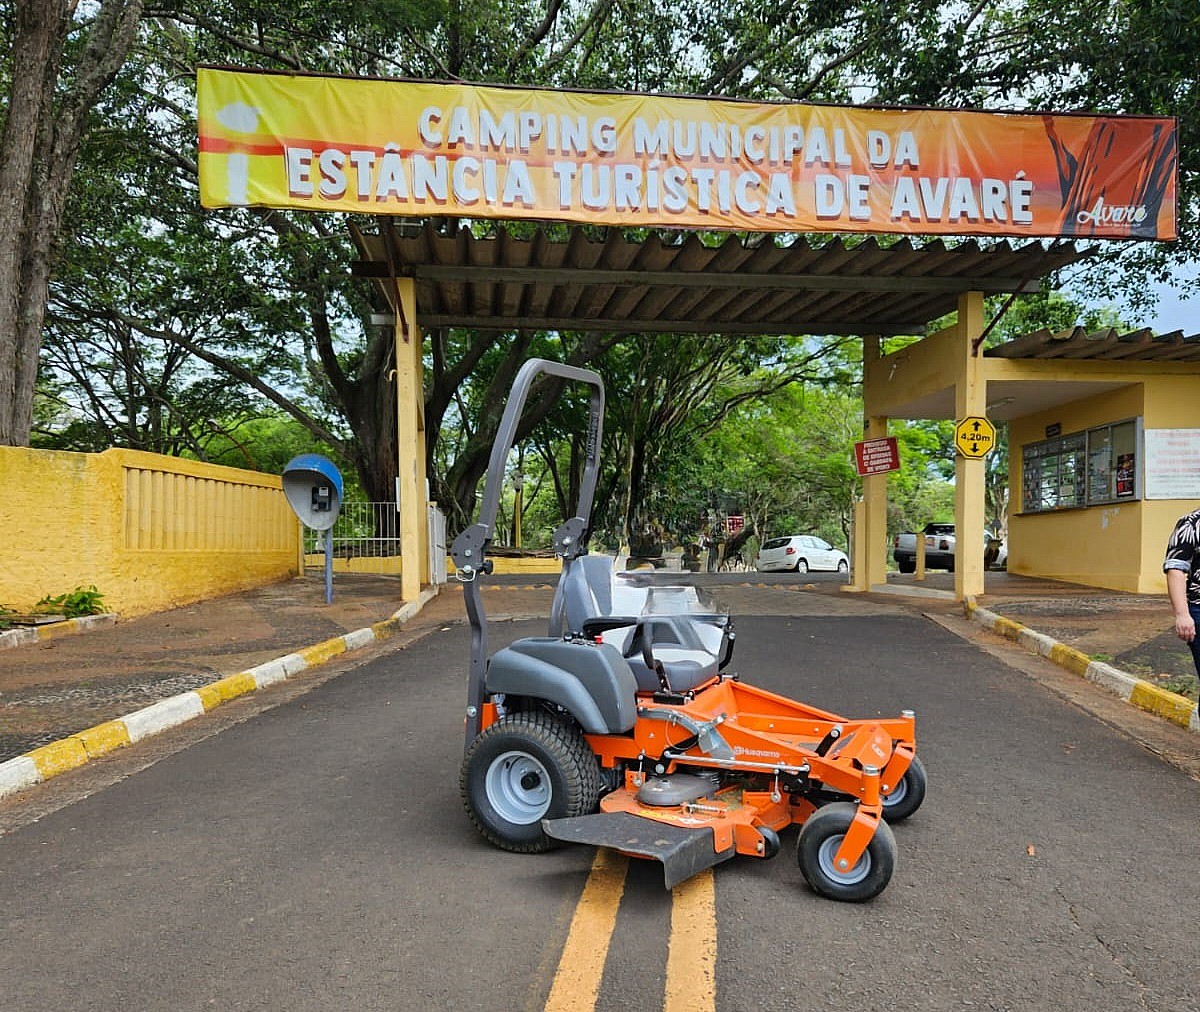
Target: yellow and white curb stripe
{"x": 1145, "y": 695}
{"x": 28, "y": 636}
{"x": 72, "y": 752}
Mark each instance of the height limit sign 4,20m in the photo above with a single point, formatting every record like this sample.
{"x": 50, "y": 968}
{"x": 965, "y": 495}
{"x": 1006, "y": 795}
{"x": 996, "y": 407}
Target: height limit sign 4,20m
{"x": 974, "y": 436}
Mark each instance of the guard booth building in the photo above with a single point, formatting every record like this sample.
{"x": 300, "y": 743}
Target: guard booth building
{"x": 1104, "y": 442}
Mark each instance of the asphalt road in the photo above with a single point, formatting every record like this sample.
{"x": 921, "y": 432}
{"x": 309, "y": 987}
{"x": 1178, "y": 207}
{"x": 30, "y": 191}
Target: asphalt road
{"x": 308, "y": 850}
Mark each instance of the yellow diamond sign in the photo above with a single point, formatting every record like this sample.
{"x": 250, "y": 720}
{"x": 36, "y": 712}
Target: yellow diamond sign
{"x": 974, "y": 436}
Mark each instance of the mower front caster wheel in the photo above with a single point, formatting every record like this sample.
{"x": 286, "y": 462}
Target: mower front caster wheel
{"x": 820, "y": 838}
{"x": 907, "y": 796}
{"x": 524, "y": 768}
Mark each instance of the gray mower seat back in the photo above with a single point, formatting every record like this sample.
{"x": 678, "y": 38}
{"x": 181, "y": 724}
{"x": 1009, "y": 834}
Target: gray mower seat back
{"x": 591, "y": 681}
{"x": 584, "y": 594}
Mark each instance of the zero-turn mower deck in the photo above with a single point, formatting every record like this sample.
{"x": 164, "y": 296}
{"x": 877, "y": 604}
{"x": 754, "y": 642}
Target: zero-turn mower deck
{"x": 756, "y": 763}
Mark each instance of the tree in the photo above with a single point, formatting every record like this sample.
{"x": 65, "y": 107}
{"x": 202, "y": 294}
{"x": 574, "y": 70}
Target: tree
{"x": 49, "y": 103}
{"x": 673, "y": 390}
{"x": 259, "y": 302}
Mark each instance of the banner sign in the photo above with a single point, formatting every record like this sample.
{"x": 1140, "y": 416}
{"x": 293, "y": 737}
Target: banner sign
{"x": 409, "y": 148}
{"x": 876, "y": 456}
{"x": 1172, "y": 464}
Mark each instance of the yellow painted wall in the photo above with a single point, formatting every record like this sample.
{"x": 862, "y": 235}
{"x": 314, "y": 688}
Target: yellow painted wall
{"x": 1173, "y": 403}
{"x": 384, "y": 565}
{"x": 149, "y": 532}
{"x": 1117, "y": 545}
{"x": 923, "y": 368}
{"x": 1100, "y": 546}
{"x": 505, "y": 564}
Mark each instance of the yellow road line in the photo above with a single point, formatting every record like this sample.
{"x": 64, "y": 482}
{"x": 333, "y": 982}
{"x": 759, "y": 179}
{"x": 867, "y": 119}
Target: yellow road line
{"x": 692, "y": 954}
{"x": 577, "y": 980}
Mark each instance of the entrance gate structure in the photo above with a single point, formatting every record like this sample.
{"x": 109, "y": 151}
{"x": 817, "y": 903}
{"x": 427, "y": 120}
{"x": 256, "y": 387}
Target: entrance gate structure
{"x": 436, "y": 278}
{"x": 666, "y": 165}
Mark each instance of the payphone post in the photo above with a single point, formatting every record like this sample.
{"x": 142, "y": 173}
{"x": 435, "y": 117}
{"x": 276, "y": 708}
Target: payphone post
{"x": 314, "y": 488}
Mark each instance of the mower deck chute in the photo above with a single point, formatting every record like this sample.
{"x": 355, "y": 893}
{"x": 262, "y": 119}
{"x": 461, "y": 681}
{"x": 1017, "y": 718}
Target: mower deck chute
{"x": 591, "y": 735}
{"x": 683, "y": 850}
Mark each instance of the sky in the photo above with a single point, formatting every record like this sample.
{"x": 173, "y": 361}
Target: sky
{"x": 1173, "y": 312}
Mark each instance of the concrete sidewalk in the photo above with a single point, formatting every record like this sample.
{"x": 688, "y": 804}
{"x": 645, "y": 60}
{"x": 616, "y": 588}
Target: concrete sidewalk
{"x": 92, "y": 688}
{"x": 1131, "y": 631}
{"x": 1124, "y": 643}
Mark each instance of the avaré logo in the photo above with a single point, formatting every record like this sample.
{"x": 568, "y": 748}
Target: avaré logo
{"x": 1117, "y": 214}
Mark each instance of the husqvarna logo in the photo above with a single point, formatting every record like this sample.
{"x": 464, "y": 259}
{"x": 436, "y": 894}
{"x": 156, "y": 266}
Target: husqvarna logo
{"x": 740, "y": 750}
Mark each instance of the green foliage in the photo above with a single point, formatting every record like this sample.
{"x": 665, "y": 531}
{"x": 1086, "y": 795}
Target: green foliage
{"x": 80, "y": 601}
{"x": 1183, "y": 685}
{"x": 1047, "y": 310}
{"x": 237, "y": 335}
{"x": 674, "y": 390}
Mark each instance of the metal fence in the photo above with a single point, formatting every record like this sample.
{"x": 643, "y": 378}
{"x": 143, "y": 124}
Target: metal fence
{"x": 366, "y": 539}
{"x": 363, "y": 530}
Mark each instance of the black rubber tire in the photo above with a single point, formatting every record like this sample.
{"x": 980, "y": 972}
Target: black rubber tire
{"x": 771, "y": 844}
{"x": 546, "y": 743}
{"x": 908, "y": 795}
{"x": 906, "y": 565}
{"x": 843, "y": 566}
{"x": 819, "y": 839}
{"x": 801, "y": 566}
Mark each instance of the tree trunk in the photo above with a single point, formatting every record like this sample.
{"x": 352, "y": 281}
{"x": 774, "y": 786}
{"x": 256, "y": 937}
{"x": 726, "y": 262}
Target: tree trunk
{"x": 37, "y": 156}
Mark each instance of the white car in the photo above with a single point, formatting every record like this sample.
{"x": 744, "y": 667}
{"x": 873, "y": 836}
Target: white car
{"x": 800, "y": 553}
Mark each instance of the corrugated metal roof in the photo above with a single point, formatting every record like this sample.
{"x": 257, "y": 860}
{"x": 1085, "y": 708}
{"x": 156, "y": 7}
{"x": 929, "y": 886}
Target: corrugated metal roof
{"x": 679, "y": 284}
{"x": 1134, "y": 346}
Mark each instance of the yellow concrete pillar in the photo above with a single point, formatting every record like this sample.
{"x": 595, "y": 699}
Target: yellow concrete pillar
{"x": 410, "y": 444}
{"x": 875, "y": 508}
{"x": 859, "y": 578}
{"x": 970, "y": 399}
{"x": 871, "y": 564}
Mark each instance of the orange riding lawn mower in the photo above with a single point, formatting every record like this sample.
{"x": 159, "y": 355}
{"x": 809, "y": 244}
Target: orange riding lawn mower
{"x": 622, "y": 729}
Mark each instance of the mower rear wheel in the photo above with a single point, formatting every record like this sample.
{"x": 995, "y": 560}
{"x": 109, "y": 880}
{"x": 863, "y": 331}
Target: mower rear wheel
{"x": 820, "y": 838}
{"x": 524, "y": 768}
{"x": 908, "y": 794}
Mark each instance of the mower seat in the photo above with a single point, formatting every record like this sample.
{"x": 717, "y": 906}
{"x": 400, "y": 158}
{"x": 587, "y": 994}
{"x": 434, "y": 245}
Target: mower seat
{"x": 591, "y": 681}
{"x": 675, "y": 646}
{"x": 583, "y": 602}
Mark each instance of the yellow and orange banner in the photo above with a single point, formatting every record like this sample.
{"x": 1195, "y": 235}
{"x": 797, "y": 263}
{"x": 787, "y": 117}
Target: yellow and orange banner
{"x": 410, "y": 148}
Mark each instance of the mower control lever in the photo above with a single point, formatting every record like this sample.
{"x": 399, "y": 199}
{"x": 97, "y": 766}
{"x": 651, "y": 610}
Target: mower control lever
{"x": 826, "y": 743}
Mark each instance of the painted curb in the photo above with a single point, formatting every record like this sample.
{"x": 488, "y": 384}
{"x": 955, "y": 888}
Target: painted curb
{"x": 1140, "y": 693}
{"x": 70, "y": 753}
{"x": 27, "y": 636}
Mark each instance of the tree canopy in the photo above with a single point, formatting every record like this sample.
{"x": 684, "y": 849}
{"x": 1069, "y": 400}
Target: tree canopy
{"x": 141, "y": 320}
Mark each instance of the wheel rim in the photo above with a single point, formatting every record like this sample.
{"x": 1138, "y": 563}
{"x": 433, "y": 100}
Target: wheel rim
{"x": 829, "y": 847}
{"x": 518, "y": 788}
{"x": 898, "y": 794}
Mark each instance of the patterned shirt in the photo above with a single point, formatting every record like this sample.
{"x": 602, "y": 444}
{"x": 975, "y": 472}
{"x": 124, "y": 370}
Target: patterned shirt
{"x": 1183, "y": 552}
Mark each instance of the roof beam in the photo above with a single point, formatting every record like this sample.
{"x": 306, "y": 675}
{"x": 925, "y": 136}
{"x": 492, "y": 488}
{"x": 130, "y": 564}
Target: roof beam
{"x": 477, "y": 273}
{"x": 703, "y": 279}
{"x": 658, "y": 326}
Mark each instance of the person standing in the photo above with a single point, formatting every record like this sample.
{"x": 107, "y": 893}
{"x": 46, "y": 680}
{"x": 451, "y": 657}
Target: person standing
{"x": 1182, "y": 566}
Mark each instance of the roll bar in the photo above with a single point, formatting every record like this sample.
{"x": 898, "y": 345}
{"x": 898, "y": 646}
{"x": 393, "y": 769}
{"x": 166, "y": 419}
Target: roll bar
{"x": 469, "y": 550}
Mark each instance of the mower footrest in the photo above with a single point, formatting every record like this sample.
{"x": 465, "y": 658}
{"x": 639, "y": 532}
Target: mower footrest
{"x": 683, "y": 851}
